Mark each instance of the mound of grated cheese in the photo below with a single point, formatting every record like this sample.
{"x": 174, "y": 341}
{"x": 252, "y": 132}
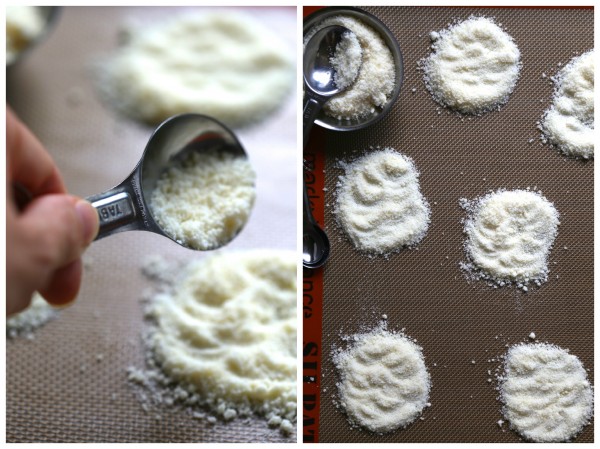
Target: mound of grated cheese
{"x": 384, "y": 384}
{"x": 224, "y": 335}
{"x": 223, "y": 64}
{"x": 510, "y": 234}
{"x": 379, "y": 203}
{"x": 474, "y": 66}
{"x": 346, "y": 60}
{"x": 546, "y": 394}
{"x": 569, "y": 123}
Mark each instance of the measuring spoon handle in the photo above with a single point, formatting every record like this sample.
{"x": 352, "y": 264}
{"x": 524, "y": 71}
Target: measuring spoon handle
{"x": 116, "y": 211}
{"x": 123, "y": 208}
{"x": 308, "y": 219}
{"x": 312, "y": 106}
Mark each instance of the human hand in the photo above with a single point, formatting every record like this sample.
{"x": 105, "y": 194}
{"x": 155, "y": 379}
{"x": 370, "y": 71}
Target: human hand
{"x": 45, "y": 239}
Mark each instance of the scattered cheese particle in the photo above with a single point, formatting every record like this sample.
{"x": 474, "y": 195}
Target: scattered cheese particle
{"x": 286, "y": 426}
{"x": 36, "y": 315}
{"x": 229, "y": 414}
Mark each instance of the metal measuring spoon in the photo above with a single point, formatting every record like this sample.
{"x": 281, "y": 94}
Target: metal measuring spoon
{"x": 319, "y": 73}
{"x": 126, "y": 207}
{"x": 319, "y": 87}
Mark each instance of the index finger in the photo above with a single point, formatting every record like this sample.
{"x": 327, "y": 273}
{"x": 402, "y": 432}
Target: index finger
{"x": 27, "y": 161}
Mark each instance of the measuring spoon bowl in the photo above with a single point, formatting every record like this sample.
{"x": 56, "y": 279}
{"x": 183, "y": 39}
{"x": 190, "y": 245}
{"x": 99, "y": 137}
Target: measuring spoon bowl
{"x": 126, "y": 207}
{"x": 319, "y": 73}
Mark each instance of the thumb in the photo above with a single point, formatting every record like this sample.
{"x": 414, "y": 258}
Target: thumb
{"x": 60, "y": 227}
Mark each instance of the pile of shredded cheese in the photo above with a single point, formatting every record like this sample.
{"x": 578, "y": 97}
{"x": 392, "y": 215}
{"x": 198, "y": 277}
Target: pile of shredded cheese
{"x": 346, "y": 60}
{"x": 224, "y": 337}
{"x": 569, "y": 123}
{"x": 223, "y": 64}
{"x": 546, "y": 393}
{"x": 379, "y": 203}
{"x": 473, "y": 67}
{"x": 384, "y": 384}
{"x": 509, "y": 236}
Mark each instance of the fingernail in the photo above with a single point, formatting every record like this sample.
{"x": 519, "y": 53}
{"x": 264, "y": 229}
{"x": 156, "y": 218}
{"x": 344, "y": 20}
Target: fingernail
{"x": 89, "y": 219}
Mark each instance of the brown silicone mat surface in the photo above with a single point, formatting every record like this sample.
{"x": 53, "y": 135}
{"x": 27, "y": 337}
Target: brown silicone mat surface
{"x": 56, "y": 389}
{"x": 423, "y": 290}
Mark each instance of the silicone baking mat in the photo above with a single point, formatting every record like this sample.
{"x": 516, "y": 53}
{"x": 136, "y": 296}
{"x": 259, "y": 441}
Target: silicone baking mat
{"x": 424, "y": 290}
{"x": 57, "y": 391}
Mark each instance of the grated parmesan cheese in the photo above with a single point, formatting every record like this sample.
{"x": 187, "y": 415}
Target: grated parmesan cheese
{"x": 223, "y": 64}
{"x": 509, "y": 236}
{"x": 384, "y": 384}
{"x": 545, "y": 391}
{"x": 379, "y": 204}
{"x": 225, "y": 335}
{"x": 346, "y": 60}
{"x": 204, "y": 199}
{"x": 24, "y": 323}
{"x": 474, "y": 66}
{"x": 569, "y": 123}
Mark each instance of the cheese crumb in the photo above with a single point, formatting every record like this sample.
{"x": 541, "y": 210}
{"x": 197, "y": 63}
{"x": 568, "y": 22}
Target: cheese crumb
{"x": 26, "y": 322}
